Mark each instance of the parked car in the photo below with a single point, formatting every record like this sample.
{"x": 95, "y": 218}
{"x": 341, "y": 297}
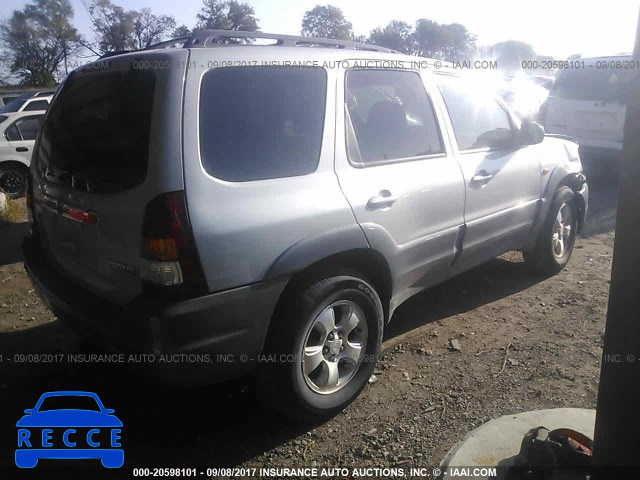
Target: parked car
{"x": 266, "y": 208}
{"x": 18, "y": 133}
{"x": 28, "y": 102}
{"x": 7, "y": 97}
{"x": 523, "y": 95}
{"x": 588, "y": 103}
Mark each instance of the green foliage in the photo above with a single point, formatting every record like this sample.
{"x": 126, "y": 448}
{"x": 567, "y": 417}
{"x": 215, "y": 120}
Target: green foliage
{"x": 428, "y": 39}
{"x": 227, "y": 15}
{"x": 397, "y": 35}
{"x": 38, "y": 40}
{"x": 113, "y": 26}
{"x": 117, "y": 29}
{"x": 181, "y": 31}
{"x": 149, "y": 29}
{"x": 511, "y": 53}
{"x": 327, "y": 22}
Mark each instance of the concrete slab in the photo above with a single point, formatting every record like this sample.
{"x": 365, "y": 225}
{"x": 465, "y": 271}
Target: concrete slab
{"x": 498, "y": 442}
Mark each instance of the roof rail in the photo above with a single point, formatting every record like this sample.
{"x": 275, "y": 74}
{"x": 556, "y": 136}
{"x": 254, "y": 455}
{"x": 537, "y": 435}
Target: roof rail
{"x": 205, "y": 38}
{"x": 167, "y": 43}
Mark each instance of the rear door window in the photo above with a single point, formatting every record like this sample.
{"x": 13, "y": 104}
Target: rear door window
{"x": 258, "y": 123}
{"x": 98, "y": 128}
{"x": 36, "y": 105}
{"x": 593, "y": 84}
{"x": 24, "y": 129}
{"x": 391, "y": 117}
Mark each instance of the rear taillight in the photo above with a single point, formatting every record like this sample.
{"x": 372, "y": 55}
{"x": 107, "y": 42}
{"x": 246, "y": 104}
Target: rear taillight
{"x": 170, "y": 263}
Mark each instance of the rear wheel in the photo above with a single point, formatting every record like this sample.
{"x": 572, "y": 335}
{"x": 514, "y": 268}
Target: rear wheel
{"x": 13, "y": 180}
{"x": 557, "y": 236}
{"x": 322, "y": 347}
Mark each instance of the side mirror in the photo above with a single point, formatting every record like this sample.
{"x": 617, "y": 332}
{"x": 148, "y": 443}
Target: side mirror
{"x": 29, "y": 411}
{"x": 109, "y": 411}
{"x": 531, "y": 133}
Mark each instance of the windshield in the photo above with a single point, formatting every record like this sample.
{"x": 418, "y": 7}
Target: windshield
{"x": 605, "y": 85}
{"x": 69, "y": 402}
{"x": 15, "y": 104}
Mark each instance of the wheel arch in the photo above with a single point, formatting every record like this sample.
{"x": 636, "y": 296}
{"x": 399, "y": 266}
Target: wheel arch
{"x": 562, "y": 178}
{"x": 362, "y": 260}
{"x": 15, "y": 162}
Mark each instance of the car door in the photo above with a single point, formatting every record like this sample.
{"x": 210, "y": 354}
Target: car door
{"x": 502, "y": 178}
{"x": 396, "y": 170}
{"x": 21, "y": 136}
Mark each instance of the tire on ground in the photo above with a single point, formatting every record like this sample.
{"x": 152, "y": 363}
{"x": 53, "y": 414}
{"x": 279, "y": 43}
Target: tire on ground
{"x": 283, "y": 384}
{"x": 543, "y": 257}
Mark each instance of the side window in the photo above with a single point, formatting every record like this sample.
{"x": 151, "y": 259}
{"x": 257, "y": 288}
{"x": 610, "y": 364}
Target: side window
{"x": 478, "y": 120}
{"x": 28, "y": 127}
{"x": 12, "y": 134}
{"x": 389, "y": 116}
{"x": 261, "y": 122}
{"x": 37, "y": 105}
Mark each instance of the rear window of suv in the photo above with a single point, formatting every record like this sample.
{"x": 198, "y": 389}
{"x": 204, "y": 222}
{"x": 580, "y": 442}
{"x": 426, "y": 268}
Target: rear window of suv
{"x": 96, "y": 135}
{"x": 259, "y": 123}
{"x": 593, "y": 84}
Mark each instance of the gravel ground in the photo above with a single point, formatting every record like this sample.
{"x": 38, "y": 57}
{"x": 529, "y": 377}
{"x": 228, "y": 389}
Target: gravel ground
{"x": 494, "y": 341}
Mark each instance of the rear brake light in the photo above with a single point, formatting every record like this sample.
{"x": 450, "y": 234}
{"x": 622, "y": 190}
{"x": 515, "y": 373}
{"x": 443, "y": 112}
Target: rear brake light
{"x": 168, "y": 249}
{"x": 79, "y": 215}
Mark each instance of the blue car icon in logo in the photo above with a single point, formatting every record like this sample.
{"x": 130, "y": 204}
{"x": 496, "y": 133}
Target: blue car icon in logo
{"x": 69, "y": 425}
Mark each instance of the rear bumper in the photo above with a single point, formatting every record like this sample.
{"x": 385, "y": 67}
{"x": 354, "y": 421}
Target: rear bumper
{"x": 201, "y": 340}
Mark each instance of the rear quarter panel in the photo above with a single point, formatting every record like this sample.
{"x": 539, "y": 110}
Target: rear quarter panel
{"x": 242, "y": 228}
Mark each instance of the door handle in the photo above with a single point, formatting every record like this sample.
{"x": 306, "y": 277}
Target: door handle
{"x": 22, "y": 149}
{"x": 482, "y": 177}
{"x": 384, "y": 199}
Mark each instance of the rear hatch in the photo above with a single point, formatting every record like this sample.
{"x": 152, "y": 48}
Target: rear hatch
{"x": 588, "y": 104}
{"x": 110, "y": 144}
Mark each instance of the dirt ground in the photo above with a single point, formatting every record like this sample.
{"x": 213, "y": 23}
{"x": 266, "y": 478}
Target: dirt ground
{"x": 526, "y": 342}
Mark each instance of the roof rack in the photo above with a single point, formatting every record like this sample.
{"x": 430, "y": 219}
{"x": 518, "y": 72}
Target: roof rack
{"x": 205, "y": 38}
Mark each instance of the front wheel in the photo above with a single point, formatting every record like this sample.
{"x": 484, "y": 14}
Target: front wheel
{"x": 322, "y": 347}
{"x": 13, "y": 180}
{"x": 557, "y": 235}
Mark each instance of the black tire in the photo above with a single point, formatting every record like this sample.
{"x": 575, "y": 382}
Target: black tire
{"x": 547, "y": 257}
{"x": 283, "y": 384}
{"x": 13, "y": 180}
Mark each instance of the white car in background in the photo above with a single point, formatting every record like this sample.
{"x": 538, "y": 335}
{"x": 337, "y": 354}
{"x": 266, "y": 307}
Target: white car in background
{"x": 18, "y": 133}
{"x": 28, "y": 102}
{"x": 588, "y": 104}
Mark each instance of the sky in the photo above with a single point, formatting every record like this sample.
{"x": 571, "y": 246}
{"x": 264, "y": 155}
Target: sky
{"x": 553, "y": 27}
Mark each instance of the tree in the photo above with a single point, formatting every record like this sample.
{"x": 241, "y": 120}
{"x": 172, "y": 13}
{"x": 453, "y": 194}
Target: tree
{"x": 227, "y": 15}
{"x": 181, "y": 31}
{"x": 326, "y": 22}
{"x": 149, "y": 29}
{"x": 447, "y": 42}
{"x": 511, "y": 53}
{"x": 457, "y": 42}
{"x": 38, "y": 40}
{"x": 113, "y": 25}
{"x": 428, "y": 38}
{"x": 397, "y": 36}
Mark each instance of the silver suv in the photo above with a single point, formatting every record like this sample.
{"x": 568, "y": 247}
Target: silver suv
{"x": 265, "y": 209}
